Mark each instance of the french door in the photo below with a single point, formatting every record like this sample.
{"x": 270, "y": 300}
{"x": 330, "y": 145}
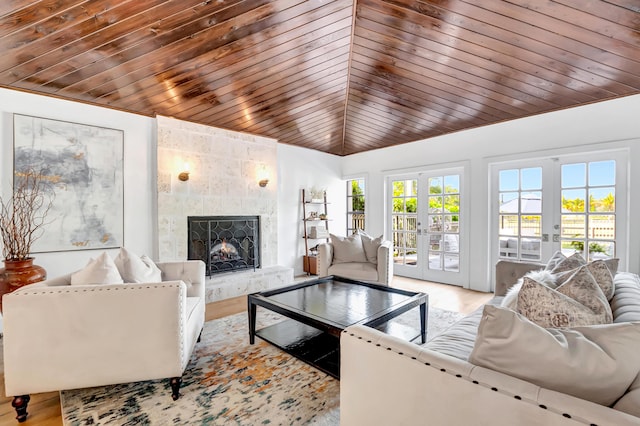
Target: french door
{"x": 426, "y": 225}
{"x": 571, "y": 203}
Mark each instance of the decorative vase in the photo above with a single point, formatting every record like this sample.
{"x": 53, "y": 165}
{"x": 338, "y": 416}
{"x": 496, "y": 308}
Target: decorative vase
{"x": 18, "y": 273}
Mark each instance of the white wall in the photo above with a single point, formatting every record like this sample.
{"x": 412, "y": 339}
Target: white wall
{"x": 300, "y": 168}
{"x": 609, "y": 124}
{"x": 139, "y": 167}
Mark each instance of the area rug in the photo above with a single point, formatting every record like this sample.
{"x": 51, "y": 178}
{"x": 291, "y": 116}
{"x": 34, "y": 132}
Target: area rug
{"x": 228, "y": 382}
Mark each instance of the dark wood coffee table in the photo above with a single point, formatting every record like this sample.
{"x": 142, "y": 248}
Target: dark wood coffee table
{"x": 318, "y": 311}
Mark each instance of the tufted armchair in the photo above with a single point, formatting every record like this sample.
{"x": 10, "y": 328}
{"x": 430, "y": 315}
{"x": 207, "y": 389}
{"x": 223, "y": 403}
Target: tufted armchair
{"x": 59, "y": 336}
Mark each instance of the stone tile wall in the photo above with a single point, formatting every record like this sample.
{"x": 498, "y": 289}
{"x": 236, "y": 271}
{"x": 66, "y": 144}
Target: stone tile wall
{"x": 224, "y": 168}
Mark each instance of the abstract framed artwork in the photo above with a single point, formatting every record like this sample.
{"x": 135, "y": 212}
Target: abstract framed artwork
{"x": 84, "y": 165}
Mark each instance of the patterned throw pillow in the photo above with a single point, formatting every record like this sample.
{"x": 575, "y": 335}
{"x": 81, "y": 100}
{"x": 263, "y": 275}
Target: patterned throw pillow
{"x": 555, "y": 259}
{"x": 600, "y": 272}
{"x": 568, "y": 263}
{"x": 577, "y": 302}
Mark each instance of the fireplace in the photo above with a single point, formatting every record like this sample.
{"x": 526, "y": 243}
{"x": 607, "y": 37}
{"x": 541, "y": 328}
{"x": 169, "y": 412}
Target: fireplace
{"x": 224, "y": 243}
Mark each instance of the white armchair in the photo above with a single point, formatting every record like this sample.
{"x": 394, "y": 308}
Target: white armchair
{"x": 59, "y": 336}
{"x": 378, "y": 272}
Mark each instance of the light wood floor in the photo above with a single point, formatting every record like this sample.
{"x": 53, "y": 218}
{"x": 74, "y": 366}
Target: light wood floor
{"x": 44, "y": 408}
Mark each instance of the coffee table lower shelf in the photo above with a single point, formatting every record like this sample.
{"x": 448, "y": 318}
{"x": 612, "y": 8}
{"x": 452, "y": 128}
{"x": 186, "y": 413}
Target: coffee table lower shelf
{"x": 318, "y": 348}
{"x": 315, "y": 347}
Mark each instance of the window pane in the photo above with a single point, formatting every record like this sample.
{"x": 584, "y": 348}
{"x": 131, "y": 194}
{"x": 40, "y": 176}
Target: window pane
{"x": 435, "y": 260}
{"x": 508, "y": 224}
{"x": 398, "y": 188}
{"x": 452, "y": 203}
{"x": 573, "y": 246}
{"x": 531, "y": 179}
{"x": 531, "y": 225}
{"x": 509, "y": 247}
{"x": 602, "y": 226}
{"x": 451, "y": 262}
{"x": 451, "y": 223}
{"x": 531, "y": 202}
{"x": 530, "y": 249}
{"x": 508, "y": 180}
{"x": 435, "y": 185}
{"x": 412, "y": 223}
{"x": 411, "y": 205}
{"x": 573, "y": 201}
{"x": 434, "y": 242}
{"x": 602, "y": 200}
{"x": 397, "y": 222}
{"x": 602, "y": 173}
{"x": 573, "y": 226}
{"x": 509, "y": 202}
{"x": 398, "y": 205}
{"x": 601, "y": 250}
{"x": 435, "y": 223}
{"x": 452, "y": 184}
{"x": 574, "y": 175}
{"x": 451, "y": 243}
{"x": 435, "y": 204}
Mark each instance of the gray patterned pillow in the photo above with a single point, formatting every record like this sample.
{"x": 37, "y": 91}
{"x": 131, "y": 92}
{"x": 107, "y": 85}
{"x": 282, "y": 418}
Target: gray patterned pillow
{"x": 600, "y": 271}
{"x": 577, "y": 302}
{"x": 572, "y": 262}
{"x": 555, "y": 259}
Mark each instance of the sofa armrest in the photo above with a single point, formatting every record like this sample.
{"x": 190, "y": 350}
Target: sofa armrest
{"x": 385, "y": 263}
{"x": 508, "y": 272}
{"x": 191, "y": 272}
{"x": 91, "y": 335}
{"x": 325, "y": 257}
{"x": 385, "y": 380}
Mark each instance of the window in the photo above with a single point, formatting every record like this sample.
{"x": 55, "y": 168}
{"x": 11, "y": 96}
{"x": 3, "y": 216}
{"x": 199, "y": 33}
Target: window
{"x": 355, "y": 205}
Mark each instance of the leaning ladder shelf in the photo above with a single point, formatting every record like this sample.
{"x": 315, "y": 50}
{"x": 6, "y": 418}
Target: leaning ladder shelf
{"x": 310, "y": 263}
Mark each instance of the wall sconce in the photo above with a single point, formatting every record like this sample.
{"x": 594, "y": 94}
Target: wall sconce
{"x": 263, "y": 176}
{"x": 184, "y": 175}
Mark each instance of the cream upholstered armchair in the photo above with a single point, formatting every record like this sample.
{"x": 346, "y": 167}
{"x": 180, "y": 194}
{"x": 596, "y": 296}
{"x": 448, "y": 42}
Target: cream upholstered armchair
{"x": 359, "y": 257}
{"x": 63, "y": 335}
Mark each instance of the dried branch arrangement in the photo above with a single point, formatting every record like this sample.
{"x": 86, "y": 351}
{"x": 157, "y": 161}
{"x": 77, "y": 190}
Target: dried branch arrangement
{"x": 22, "y": 216}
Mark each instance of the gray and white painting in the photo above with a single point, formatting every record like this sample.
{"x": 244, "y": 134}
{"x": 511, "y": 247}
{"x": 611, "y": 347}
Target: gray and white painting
{"x": 84, "y": 166}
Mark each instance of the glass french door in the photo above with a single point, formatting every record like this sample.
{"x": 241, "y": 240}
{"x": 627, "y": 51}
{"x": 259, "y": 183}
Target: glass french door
{"x": 571, "y": 203}
{"x": 426, "y": 224}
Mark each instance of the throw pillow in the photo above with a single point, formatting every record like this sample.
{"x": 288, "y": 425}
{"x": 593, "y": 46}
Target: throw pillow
{"x": 101, "y": 270}
{"x": 600, "y": 272}
{"x": 541, "y": 276}
{"x": 348, "y": 249}
{"x": 555, "y": 259}
{"x": 572, "y": 262}
{"x": 137, "y": 269}
{"x": 596, "y": 363}
{"x": 370, "y": 245}
{"x": 578, "y": 302}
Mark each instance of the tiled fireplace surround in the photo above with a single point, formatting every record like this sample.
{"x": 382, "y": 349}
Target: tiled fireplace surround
{"x": 223, "y": 180}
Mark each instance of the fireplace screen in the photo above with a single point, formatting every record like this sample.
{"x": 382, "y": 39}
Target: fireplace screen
{"x": 225, "y": 243}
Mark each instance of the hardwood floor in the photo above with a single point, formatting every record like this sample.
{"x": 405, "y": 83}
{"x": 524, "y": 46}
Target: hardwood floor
{"x": 44, "y": 408}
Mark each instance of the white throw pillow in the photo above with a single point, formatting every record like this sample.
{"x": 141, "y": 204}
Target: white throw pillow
{"x": 101, "y": 270}
{"x": 596, "y": 363}
{"x": 577, "y": 302}
{"x": 370, "y": 245}
{"x": 347, "y": 249}
{"x": 135, "y": 269}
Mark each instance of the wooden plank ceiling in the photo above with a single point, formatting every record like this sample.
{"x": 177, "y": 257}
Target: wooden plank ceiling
{"x": 339, "y": 76}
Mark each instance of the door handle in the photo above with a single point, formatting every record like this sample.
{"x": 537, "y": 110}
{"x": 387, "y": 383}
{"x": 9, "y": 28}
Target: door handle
{"x": 545, "y": 238}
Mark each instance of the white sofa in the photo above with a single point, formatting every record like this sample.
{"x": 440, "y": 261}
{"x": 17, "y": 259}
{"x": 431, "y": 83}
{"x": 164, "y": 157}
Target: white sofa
{"x": 59, "y": 336}
{"x": 385, "y": 380}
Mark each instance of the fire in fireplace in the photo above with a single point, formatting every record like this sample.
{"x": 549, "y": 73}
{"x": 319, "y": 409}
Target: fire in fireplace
{"x": 224, "y": 243}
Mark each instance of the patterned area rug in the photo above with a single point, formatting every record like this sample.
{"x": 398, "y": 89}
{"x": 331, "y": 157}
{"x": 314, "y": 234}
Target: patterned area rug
{"x": 230, "y": 382}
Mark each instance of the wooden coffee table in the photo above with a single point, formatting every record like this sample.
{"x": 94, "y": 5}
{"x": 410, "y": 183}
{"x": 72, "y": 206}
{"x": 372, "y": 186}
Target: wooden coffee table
{"x": 318, "y": 311}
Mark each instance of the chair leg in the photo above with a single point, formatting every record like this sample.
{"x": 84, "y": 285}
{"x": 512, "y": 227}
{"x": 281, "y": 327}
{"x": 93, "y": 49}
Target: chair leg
{"x": 175, "y": 383}
{"x": 200, "y": 336}
{"x": 20, "y": 404}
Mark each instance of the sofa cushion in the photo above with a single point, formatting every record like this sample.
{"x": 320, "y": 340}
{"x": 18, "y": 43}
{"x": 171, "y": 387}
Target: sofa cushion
{"x": 596, "y": 363}
{"x": 101, "y": 270}
{"x": 137, "y": 269}
{"x": 572, "y": 262}
{"x": 630, "y": 401}
{"x": 370, "y": 245}
{"x": 600, "y": 272}
{"x": 348, "y": 249}
{"x": 578, "y": 302}
{"x": 625, "y": 303}
{"x": 362, "y": 271}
